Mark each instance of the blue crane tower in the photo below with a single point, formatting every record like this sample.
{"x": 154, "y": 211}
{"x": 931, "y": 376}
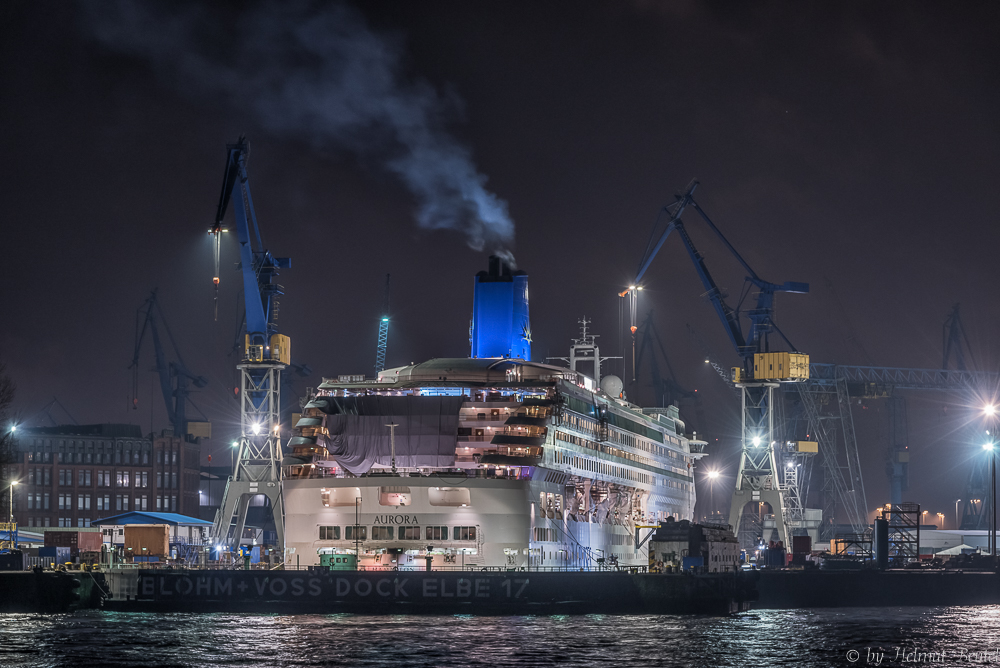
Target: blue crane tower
{"x": 757, "y": 479}
{"x": 266, "y": 354}
{"x": 174, "y": 377}
{"x": 383, "y": 330}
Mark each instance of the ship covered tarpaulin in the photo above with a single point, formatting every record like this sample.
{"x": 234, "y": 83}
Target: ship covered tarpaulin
{"x": 359, "y": 438}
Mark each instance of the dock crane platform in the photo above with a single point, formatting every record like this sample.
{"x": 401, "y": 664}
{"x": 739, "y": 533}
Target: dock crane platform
{"x": 266, "y": 353}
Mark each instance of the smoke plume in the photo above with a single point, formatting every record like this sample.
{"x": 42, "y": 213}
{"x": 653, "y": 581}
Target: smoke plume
{"x": 318, "y": 74}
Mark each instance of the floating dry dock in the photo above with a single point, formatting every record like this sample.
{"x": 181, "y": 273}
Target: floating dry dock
{"x": 482, "y": 592}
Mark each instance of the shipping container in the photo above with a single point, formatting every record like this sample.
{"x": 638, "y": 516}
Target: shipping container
{"x": 147, "y": 540}
{"x": 76, "y": 540}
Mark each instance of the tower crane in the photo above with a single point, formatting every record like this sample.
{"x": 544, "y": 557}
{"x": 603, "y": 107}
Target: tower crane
{"x": 383, "y": 329}
{"x": 266, "y": 353}
{"x": 174, "y": 377}
{"x": 757, "y": 478}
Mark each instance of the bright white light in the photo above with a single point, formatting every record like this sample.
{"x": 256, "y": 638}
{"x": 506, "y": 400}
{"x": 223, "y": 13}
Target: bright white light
{"x": 756, "y": 441}
{"x": 13, "y": 428}
{"x": 706, "y": 360}
{"x": 713, "y": 474}
{"x": 631, "y": 287}
{"x": 788, "y": 465}
{"x": 987, "y": 446}
{"x": 256, "y": 427}
{"x": 990, "y": 409}
{"x": 236, "y": 444}
{"x": 15, "y": 482}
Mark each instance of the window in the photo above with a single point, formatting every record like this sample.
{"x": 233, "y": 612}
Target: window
{"x": 159, "y": 479}
{"x": 449, "y": 496}
{"x": 83, "y": 477}
{"x": 104, "y": 478}
{"x": 122, "y": 478}
{"x": 63, "y": 475}
{"x": 409, "y": 533}
{"x": 48, "y": 476}
{"x": 173, "y": 457}
{"x": 79, "y": 522}
{"x": 83, "y": 502}
{"x": 31, "y": 476}
{"x": 361, "y": 533}
{"x": 104, "y": 502}
{"x": 121, "y": 502}
{"x": 140, "y": 503}
{"x": 395, "y": 496}
{"x": 173, "y": 480}
{"x": 173, "y": 503}
{"x": 329, "y": 533}
{"x": 381, "y": 533}
{"x": 145, "y": 455}
{"x": 465, "y": 533}
{"x": 45, "y": 499}
{"x": 159, "y": 502}
{"x": 339, "y": 496}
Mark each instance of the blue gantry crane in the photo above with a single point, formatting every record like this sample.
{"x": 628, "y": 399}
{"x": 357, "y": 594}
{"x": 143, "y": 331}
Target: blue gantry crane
{"x": 174, "y": 376}
{"x": 266, "y": 353}
{"x": 758, "y": 477}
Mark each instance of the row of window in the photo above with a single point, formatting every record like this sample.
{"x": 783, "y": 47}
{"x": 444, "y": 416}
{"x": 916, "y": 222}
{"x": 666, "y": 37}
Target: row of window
{"x": 352, "y": 532}
{"x": 42, "y": 501}
{"x": 60, "y": 522}
{"x": 120, "y": 456}
{"x": 544, "y": 534}
{"x": 86, "y": 477}
{"x": 597, "y": 466}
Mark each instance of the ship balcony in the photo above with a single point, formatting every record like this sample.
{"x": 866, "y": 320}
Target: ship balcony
{"x": 518, "y": 440}
{"x": 512, "y": 456}
{"x": 526, "y": 421}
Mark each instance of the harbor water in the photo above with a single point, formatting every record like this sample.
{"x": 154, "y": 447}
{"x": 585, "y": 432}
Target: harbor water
{"x": 820, "y": 637}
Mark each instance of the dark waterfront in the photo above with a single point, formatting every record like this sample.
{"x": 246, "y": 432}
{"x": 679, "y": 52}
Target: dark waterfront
{"x": 766, "y": 638}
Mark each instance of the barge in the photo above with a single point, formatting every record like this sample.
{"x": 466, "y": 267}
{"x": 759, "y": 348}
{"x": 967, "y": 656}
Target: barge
{"x": 477, "y": 592}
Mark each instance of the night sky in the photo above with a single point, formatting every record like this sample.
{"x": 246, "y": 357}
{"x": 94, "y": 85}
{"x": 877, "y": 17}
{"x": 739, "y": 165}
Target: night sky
{"x": 852, "y": 146}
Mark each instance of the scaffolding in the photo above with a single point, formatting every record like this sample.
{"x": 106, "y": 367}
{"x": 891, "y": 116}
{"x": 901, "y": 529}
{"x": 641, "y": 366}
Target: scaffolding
{"x": 904, "y": 533}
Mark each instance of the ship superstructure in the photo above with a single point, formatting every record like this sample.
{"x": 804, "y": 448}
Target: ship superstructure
{"x": 482, "y": 461}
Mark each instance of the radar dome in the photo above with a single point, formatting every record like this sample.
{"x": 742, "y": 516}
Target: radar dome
{"x": 612, "y": 385}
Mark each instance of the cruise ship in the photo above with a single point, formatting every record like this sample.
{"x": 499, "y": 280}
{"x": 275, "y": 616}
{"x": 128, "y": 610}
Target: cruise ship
{"x": 492, "y": 460}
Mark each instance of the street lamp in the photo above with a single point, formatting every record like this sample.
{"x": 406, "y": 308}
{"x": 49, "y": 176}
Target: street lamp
{"x": 232, "y": 454}
{"x": 941, "y": 517}
{"x": 958, "y": 522}
{"x": 12, "y": 483}
{"x": 712, "y": 477}
{"x": 989, "y": 447}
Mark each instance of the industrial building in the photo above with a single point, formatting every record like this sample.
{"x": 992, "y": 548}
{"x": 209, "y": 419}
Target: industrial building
{"x": 71, "y": 475}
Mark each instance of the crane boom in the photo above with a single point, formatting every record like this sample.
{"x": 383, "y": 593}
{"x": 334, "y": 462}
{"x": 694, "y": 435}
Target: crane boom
{"x": 173, "y": 376}
{"x": 761, "y": 316}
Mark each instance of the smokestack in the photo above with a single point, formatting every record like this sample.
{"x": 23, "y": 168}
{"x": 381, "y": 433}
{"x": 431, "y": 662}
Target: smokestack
{"x": 500, "y": 323}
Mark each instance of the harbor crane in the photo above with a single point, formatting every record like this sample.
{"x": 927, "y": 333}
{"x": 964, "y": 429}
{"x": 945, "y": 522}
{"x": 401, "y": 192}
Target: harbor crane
{"x": 175, "y": 378}
{"x": 383, "y": 330}
{"x": 266, "y": 353}
{"x": 757, "y": 478}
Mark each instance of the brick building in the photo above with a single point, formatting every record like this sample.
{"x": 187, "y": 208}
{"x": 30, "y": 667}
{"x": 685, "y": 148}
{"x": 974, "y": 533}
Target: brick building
{"x": 72, "y": 474}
